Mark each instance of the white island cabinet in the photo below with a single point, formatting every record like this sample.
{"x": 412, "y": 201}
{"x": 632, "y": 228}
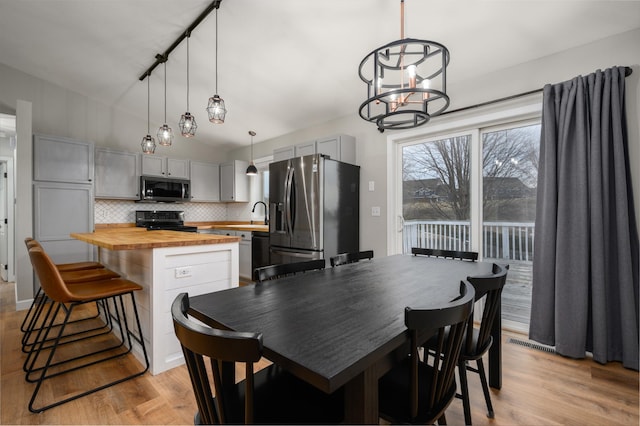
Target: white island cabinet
{"x": 184, "y": 262}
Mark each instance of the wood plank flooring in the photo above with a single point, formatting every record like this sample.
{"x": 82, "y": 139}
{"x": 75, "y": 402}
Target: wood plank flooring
{"x": 539, "y": 388}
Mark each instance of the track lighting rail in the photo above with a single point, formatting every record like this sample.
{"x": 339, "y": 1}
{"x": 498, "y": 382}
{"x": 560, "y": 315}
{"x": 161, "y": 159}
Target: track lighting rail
{"x": 160, "y": 58}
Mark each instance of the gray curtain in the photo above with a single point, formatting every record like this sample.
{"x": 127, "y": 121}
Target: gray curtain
{"x": 585, "y": 267}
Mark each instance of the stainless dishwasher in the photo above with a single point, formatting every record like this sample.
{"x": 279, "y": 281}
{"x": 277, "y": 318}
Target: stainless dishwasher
{"x": 259, "y": 249}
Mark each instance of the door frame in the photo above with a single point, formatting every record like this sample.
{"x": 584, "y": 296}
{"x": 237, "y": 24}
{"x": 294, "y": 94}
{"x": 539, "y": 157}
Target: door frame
{"x": 11, "y": 206}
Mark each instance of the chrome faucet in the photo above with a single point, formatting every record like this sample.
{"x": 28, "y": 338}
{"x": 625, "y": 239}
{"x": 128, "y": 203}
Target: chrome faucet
{"x": 266, "y": 218}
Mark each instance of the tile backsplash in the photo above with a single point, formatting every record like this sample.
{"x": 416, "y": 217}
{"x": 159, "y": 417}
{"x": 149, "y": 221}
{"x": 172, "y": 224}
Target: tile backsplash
{"x": 120, "y": 211}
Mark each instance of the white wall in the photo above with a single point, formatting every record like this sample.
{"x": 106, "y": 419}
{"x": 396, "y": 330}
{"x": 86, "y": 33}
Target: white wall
{"x": 621, "y": 50}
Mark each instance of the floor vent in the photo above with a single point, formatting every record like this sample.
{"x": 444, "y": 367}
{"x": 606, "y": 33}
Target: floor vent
{"x": 532, "y": 345}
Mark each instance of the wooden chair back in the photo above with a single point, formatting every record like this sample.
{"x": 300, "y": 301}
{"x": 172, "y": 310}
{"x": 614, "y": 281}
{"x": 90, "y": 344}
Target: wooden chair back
{"x": 448, "y": 324}
{"x": 488, "y": 287}
{"x": 199, "y": 341}
{"x": 344, "y": 258}
{"x": 284, "y": 269}
{"x": 447, "y": 254}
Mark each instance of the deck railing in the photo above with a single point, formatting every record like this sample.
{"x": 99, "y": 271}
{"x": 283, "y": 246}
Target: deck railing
{"x": 501, "y": 240}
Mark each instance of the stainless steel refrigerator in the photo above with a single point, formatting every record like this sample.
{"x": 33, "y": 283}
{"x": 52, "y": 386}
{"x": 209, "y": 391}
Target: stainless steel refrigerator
{"x": 313, "y": 208}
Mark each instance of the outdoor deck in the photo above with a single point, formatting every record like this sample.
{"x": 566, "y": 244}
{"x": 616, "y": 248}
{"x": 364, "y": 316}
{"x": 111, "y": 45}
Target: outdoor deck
{"x": 516, "y": 296}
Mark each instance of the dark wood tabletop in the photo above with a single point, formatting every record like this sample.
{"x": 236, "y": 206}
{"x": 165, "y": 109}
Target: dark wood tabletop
{"x": 334, "y": 327}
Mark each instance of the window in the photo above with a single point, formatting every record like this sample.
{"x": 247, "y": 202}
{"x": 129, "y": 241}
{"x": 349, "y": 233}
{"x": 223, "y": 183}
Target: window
{"x": 469, "y": 183}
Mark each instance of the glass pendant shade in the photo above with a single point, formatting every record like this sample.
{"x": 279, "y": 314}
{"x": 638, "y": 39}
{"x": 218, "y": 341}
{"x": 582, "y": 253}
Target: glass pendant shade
{"x": 216, "y": 109}
{"x": 188, "y": 125}
{"x": 148, "y": 145}
{"x": 165, "y": 135}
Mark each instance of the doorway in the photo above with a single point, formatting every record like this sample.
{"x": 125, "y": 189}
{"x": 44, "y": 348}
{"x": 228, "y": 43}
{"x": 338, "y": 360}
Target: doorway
{"x": 7, "y": 197}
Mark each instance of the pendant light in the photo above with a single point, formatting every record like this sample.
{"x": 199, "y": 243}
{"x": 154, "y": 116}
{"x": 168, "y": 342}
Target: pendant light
{"x": 406, "y": 82}
{"x": 148, "y": 143}
{"x": 165, "y": 134}
{"x": 187, "y": 122}
{"x": 252, "y": 170}
{"x": 215, "y": 107}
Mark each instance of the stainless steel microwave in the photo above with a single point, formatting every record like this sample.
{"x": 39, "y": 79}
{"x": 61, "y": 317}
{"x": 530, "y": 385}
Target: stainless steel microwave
{"x": 165, "y": 190}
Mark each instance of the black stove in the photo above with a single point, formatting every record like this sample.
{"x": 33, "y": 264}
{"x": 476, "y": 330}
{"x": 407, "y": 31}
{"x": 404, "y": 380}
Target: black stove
{"x": 168, "y": 220}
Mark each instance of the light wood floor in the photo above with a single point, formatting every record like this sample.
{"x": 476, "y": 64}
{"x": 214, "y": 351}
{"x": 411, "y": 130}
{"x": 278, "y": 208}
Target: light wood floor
{"x": 539, "y": 388}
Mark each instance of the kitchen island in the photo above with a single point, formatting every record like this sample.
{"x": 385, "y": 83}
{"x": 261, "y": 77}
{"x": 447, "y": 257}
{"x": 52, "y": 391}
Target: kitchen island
{"x": 165, "y": 263}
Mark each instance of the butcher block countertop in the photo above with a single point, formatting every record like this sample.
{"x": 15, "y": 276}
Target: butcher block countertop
{"x": 231, "y": 226}
{"x": 140, "y": 238}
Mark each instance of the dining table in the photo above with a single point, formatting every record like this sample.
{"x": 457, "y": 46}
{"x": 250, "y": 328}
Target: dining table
{"x": 343, "y": 326}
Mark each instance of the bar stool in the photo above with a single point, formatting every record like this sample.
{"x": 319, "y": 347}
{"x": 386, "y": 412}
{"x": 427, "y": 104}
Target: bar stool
{"x": 72, "y": 273}
{"x": 65, "y": 299}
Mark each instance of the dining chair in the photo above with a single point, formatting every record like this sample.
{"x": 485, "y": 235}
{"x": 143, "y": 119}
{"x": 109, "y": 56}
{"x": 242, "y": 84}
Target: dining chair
{"x": 271, "y": 395}
{"x": 345, "y": 258}
{"x": 271, "y": 272}
{"x": 450, "y": 254}
{"x": 414, "y": 391}
{"x": 479, "y": 340}
{"x": 66, "y": 298}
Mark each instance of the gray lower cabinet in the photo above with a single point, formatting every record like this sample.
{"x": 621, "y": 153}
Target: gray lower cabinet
{"x": 59, "y": 210}
{"x": 117, "y": 174}
{"x": 205, "y": 182}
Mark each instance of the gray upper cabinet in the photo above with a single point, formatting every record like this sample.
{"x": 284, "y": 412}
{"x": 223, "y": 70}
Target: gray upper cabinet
{"x": 338, "y": 147}
{"x": 306, "y": 148}
{"x": 156, "y": 165}
{"x": 57, "y": 159}
{"x": 117, "y": 174}
{"x": 205, "y": 182}
{"x": 341, "y": 147}
{"x": 234, "y": 183}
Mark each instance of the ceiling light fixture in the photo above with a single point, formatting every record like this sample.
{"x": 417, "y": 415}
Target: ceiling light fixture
{"x": 187, "y": 122}
{"x": 165, "y": 134}
{"x": 406, "y": 82}
{"x": 215, "y": 107}
{"x": 252, "y": 170}
{"x": 148, "y": 143}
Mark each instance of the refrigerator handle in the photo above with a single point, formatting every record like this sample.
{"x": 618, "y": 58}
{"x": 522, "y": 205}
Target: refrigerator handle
{"x": 287, "y": 200}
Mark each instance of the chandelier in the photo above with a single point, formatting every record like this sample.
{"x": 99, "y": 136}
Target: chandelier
{"x": 406, "y": 82}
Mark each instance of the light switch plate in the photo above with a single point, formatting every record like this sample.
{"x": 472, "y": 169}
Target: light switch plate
{"x": 372, "y": 185}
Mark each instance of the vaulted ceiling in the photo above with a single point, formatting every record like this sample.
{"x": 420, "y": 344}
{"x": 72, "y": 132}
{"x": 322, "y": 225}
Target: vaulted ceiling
{"x": 283, "y": 65}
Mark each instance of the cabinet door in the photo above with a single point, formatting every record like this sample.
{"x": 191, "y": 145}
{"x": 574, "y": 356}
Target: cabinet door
{"x": 307, "y": 148}
{"x": 60, "y": 209}
{"x": 117, "y": 174}
{"x": 154, "y": 165}
{"x": 205, "y": 181}
{"x": 57, "y": 159}
{"x": 234, "y": 184}
{"x": 283, "y": 153}
{"x": 341, "y": 148}
{"x": 178, "y": 168}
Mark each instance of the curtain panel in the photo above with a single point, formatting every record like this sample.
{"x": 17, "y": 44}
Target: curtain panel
{"x": 585, "y": 268}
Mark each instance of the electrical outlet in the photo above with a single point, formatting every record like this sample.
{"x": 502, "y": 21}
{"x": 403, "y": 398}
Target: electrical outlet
{"x": 183, "y": 272}
{"x": 375, "y": 211}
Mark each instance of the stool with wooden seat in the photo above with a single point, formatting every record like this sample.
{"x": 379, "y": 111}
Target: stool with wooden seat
{"x": 66, "y": 298}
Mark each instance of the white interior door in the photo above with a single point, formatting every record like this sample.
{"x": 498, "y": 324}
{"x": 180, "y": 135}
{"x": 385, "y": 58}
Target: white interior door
{"x": 4, "y": 235}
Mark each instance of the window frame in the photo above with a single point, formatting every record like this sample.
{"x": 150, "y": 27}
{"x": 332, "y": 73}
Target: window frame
{"x": 471, "y": 121}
